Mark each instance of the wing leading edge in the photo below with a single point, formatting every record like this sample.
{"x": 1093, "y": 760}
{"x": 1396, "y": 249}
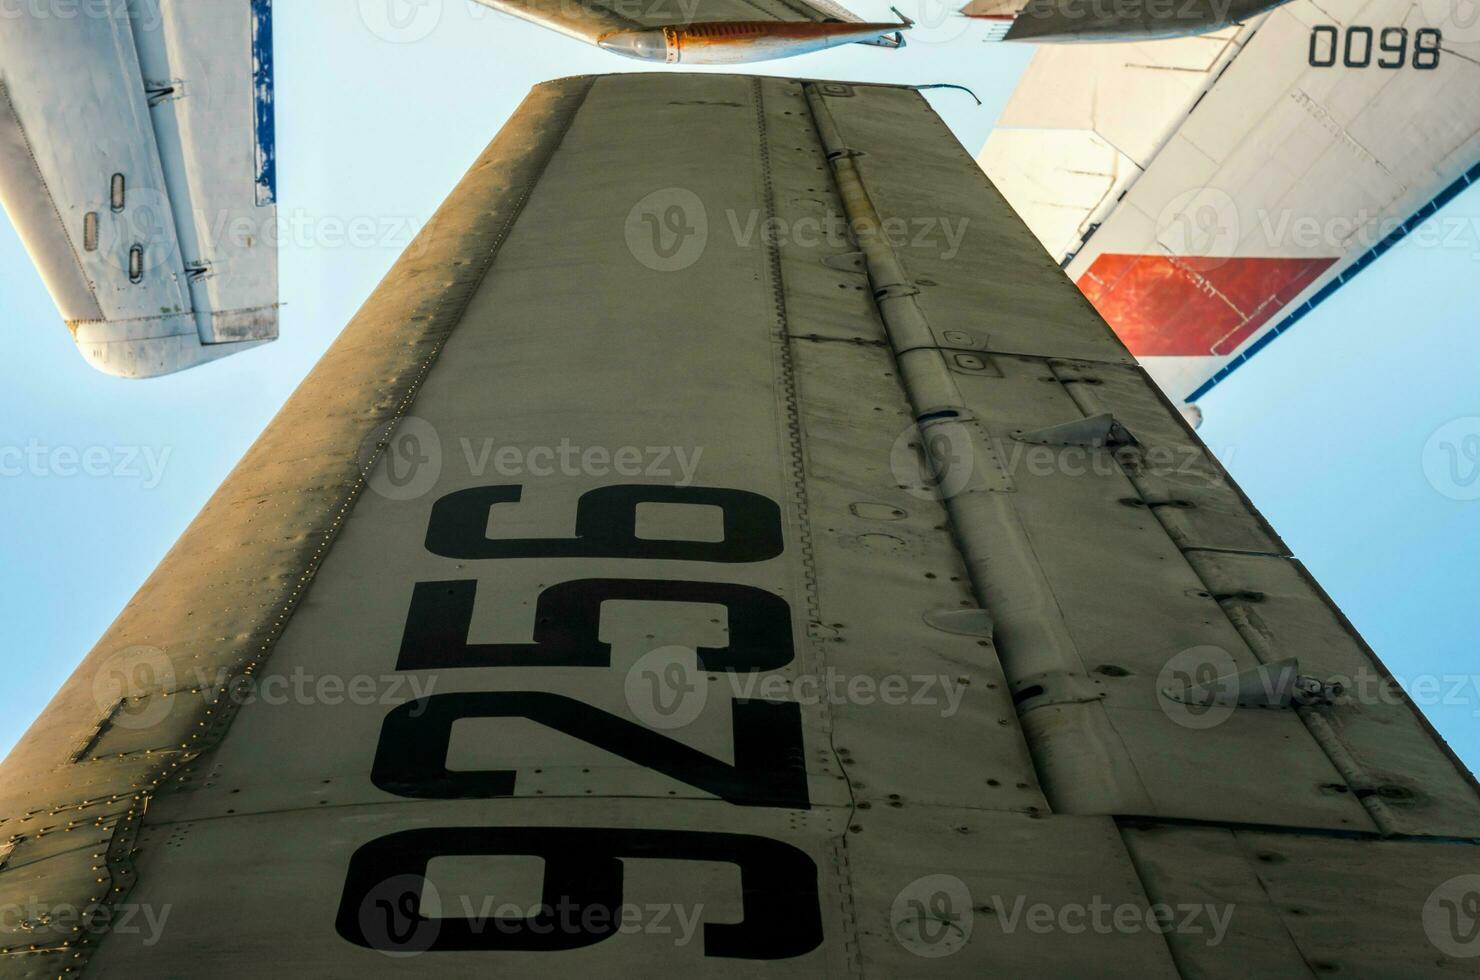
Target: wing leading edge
{"x": 766, "y": 537}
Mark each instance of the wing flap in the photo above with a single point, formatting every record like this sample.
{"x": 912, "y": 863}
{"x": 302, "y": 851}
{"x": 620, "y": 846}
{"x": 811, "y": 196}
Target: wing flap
{"x": 217, "y": 125}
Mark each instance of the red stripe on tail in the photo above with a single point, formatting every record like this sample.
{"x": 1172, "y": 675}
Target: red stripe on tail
{"x": 1164, "y": 305}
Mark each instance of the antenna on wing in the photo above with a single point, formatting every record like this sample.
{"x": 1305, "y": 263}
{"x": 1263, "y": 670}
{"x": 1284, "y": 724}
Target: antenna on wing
{"x": 921, "y": 88}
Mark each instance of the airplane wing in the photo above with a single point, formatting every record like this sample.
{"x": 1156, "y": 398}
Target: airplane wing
{"x": 138, "y": 163}
{"x": 750, "y": 559}
{"x": 1207, "y": 193}
{"x": 1060, "y": 21}
{"x": 706, "y": 32}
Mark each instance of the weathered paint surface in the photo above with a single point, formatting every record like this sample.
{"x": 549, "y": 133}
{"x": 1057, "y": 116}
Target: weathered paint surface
{"x": 599, "y": 566}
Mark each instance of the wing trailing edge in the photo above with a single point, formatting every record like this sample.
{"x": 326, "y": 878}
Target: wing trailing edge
{"x": 1065, "y": 21}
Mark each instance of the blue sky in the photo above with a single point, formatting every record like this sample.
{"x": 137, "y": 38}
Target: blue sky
{"x": 1328, "y": 430}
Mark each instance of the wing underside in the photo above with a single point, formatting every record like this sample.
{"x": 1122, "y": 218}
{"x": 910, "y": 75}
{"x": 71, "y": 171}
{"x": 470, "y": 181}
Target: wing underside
{"x": 590, "y": 19}
{"x": 706, "y": 31}
{"x": 138, "y": 163}
{"x": 1272, "y": 163}
{"x": 768, "y": 537}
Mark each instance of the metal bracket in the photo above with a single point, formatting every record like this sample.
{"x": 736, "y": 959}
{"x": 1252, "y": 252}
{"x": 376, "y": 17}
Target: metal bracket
{"x": 1055, "y": 688}
{"x": 1095, "y": 432}
{"x": 158, "y": 93}
{"x": 846, "y": 262}
{"x": 1276, "y": 685}
{"x": 895, "y": 291}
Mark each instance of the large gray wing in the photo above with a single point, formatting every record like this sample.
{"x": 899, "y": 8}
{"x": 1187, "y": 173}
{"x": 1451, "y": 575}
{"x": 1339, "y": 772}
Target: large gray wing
{"x": 592, "y": 609}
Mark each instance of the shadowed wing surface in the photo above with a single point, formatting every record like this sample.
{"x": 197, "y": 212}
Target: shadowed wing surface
{"x": 597, "y": 567}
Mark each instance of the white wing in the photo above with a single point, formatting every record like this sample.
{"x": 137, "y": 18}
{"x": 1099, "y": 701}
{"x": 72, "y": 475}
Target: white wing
{"x": 137, "y": 161}
{"x": 1207, "y": 193}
